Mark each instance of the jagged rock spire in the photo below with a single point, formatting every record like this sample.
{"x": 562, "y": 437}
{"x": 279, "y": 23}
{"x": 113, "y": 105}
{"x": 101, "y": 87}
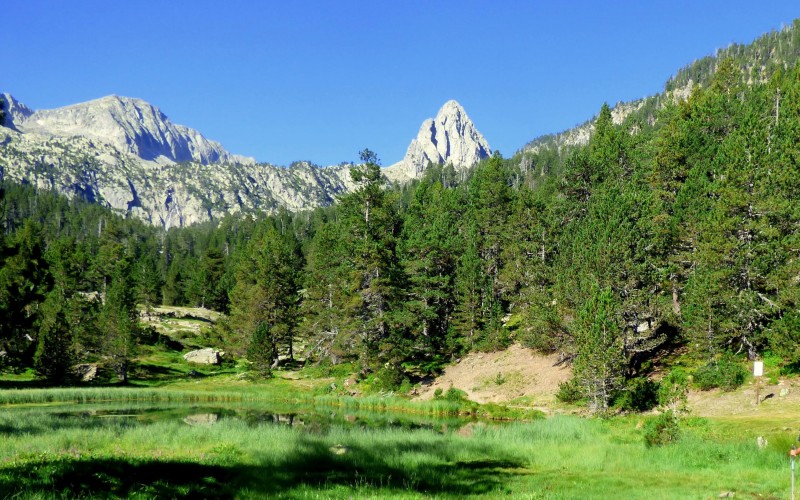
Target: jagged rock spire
{"x": 450, "y": 137}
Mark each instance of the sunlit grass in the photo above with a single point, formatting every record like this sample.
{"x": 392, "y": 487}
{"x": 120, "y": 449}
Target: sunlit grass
{"x": 560, "y": 457}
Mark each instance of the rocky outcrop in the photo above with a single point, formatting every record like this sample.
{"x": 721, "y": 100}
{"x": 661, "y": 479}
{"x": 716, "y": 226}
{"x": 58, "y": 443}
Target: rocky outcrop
{"x": 86, "y": 372}
{"x": 125, "y": 154}
{"x": 129, "y": 125}
{"x": 207, "y": 356}
{"x": 16, "y": 112}
{"x": 99, "y": 151}
{"x": 450, "y": 137}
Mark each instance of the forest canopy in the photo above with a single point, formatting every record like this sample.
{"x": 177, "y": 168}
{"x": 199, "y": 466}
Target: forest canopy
{"x": 675, "y": 231}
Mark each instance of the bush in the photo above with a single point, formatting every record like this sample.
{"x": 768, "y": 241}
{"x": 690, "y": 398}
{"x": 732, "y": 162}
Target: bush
{"x": 639, "y": 394}
{"x": 429, "y": 366}
{"x": 725, "y": 373}
{"x": 454, "y": 395}
{"x": 662, "y": 430}
{"x": 673, "y": 391}
{"x": 569, "y": 392}
{"x": 388, "y": 379}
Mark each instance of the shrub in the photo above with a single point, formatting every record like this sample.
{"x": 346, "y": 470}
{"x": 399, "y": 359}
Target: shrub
{"x": 569, "y": 392}
{"x": 725, "y": 373}
{"x": 454, "y": 395}
{"x": 261, "y": 350}
{"x": 388, "y": 379}
{"x": 639, "y": 394}
{"x": 662, "y": 430}
{"x": 673, "y": 391}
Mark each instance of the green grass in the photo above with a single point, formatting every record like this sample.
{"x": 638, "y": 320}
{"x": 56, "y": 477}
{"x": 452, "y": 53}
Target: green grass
{"x": 381, "y": 445}
{"x": 43, "y": 454}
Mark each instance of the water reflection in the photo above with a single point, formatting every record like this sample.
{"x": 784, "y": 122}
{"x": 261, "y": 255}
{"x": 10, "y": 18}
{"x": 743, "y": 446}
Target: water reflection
{"x": 314, "y": 420}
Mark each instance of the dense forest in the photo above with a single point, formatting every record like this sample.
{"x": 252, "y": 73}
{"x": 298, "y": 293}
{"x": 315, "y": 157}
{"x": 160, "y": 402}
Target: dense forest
{"x": 676, "y": 233}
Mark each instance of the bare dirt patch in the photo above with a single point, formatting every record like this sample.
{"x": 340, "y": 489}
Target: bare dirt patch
{"x": 517, "y": 375}
{"x": 775, "y": 400}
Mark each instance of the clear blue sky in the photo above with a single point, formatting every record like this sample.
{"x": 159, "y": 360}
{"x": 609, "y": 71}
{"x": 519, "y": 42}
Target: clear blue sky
{"x": 296, "y": 80}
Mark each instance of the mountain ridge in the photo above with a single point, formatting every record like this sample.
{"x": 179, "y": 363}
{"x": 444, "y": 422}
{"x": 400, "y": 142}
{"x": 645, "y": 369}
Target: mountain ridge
{"x": 130, "y": 124}
{"x": 126, "y": 154}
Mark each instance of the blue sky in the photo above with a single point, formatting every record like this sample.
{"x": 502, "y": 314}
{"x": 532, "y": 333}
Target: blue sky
{"x": 319, "y": 81}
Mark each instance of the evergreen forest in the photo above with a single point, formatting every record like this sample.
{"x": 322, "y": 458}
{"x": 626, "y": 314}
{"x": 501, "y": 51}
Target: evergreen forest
{"x": 676, "y": 231}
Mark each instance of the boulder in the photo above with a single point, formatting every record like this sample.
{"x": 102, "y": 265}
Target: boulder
{"x": 86, "y": 372}
{"x": 201, "y": 419}
{"x": 207, "y": 356}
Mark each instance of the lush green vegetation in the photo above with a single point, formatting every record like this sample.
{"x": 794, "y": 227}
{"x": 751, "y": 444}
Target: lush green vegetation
{"x": 679, "y": 230}
{"x": 669, "y": 241}
{"x": 46, "y": 454}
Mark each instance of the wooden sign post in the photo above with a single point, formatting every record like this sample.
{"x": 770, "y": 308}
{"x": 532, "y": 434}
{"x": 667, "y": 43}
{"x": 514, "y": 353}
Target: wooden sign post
{"x": 792, "y": 455}
{"x": 758, "y": 372}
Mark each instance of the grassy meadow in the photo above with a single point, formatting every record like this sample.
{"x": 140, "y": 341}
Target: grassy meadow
{"x": 45, "y": 454}
{"x": 110, "y": 441}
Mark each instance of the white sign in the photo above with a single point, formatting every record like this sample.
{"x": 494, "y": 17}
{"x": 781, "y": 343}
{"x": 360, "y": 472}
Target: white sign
{"x": 758, "y": 368}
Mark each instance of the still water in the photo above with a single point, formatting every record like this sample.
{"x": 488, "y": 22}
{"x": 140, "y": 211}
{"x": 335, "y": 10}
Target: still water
{"x": 313, "y": 420}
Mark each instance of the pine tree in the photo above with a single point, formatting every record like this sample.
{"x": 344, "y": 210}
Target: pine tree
{"x": 599, "y": 364}
{"x": 23, "y": 286}
{"x": 266, "y": 289}
{"x": 430, "y": 250}
{"x": 325, "y": 322}
{"x": 470, "y": 285}
{"x": 261, "y": 350}
{"x": 370, "y": 225}
{"x": 54, "y": 355}
{"x": 119, "y": 322}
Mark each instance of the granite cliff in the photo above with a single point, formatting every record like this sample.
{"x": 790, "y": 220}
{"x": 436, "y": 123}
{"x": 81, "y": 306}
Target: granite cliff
{"x": 126, "y": 154}
{"x": 450, "y": 137}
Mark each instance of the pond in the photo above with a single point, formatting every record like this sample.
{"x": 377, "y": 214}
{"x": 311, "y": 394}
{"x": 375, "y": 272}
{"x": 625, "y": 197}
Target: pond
{"x": 20, "y": 419}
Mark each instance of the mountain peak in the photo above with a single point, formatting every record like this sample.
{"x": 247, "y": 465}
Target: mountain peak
{"x": 129, "y": 124}
{"x": 451, "y": 106}
{"x": 450, "y": 137}
{"x": 16, "y": 112}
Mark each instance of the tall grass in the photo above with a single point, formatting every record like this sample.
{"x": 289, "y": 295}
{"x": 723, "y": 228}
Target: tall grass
{"x": 560, "y": 457}
{"x": 101, "y": 394}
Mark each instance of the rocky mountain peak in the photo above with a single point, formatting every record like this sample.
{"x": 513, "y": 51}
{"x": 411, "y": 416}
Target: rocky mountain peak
{"x": 130, "y": 125}
{"x": 450, "y": 137}
{"x": 16, "y": 112}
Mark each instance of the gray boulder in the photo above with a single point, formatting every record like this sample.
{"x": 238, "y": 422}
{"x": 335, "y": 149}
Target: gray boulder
{"x": 202, "y": 419}
{"x": 207, "y": 356}
{"x": 86, "y": 372}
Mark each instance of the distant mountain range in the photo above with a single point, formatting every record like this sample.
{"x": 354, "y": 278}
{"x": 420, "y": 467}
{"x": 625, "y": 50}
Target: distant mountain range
{"x": 757, "y": 61}
{"x": 126, "y": 154}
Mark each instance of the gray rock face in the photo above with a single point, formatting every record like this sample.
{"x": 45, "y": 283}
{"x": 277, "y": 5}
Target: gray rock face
{"x": 207, "y": 356}
{"x": 16, "y": 112}
{"x": 85, "y": 372}
{"x": 129, "y": 125}
{"x": 125, "y": 154}
{"x": 450, "y": 137}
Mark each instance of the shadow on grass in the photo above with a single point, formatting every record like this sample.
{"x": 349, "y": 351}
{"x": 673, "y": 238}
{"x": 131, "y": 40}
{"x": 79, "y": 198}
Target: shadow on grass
{"x": 150, "y": 372}
{"x": 22, "y": 384}
{"x": 313, "y": 466}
